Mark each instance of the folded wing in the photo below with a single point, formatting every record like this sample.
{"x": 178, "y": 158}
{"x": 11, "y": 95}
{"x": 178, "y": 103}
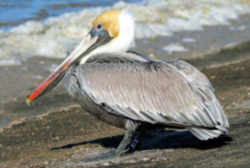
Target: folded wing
{"x": 155, "y": 92}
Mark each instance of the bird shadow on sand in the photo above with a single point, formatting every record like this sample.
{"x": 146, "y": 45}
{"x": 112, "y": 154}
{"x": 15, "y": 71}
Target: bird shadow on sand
{"x": 160, "y": 139}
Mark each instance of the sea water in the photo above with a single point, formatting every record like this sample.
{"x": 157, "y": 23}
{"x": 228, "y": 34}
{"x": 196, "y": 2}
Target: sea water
{"x": 56, "y": 33}
{"x": 15, "y": 12}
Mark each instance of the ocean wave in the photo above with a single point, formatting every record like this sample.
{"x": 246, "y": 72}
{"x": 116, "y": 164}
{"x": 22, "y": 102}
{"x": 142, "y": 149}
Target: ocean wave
{"x": 57, "y": 36}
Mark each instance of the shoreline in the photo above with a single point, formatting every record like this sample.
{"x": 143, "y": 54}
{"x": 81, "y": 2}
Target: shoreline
{"x": 57, "y": 36}
{"x": 40, "y": 11}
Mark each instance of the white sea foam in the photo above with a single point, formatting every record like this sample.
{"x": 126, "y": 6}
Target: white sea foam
{"x": 10, "y": 62}
{"x": 188, "y": 40}
{"x": 171, "y": 48}
{"x": 230, "y": 45}
{"x": 56, "y": 36}
{"x": 37, "y": 77}
{"x": 239, "y": 28}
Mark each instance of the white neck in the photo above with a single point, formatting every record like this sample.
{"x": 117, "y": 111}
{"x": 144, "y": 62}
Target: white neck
{"x": 123, "y": 42}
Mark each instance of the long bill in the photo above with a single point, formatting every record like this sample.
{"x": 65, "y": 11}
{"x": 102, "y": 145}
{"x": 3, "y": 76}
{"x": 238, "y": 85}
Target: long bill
{"x": 83, "y": 49}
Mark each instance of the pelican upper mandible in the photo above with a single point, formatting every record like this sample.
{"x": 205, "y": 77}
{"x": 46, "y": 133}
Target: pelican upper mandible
{"x": 132, "y": 91}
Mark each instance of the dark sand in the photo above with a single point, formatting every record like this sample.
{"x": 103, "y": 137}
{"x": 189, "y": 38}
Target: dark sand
{"x": 56, "y": 132}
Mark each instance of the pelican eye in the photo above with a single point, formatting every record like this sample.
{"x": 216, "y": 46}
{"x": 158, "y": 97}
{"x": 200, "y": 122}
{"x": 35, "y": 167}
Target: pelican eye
{"x": 99, "y": 26}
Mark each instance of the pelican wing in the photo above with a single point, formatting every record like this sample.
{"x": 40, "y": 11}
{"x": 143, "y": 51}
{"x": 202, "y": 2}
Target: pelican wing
{"x": 154, "y": 92}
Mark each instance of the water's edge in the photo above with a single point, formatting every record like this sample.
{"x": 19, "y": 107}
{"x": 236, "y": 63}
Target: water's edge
{"x": 58, "y": 35}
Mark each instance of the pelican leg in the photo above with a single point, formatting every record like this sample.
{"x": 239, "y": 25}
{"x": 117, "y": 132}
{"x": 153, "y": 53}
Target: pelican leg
{"x": 131, "y": 138}
{"x": 128, "y": 144}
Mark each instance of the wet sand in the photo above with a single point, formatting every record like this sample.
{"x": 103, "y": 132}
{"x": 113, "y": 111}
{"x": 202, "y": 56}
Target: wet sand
{"x": 56, "y": 132}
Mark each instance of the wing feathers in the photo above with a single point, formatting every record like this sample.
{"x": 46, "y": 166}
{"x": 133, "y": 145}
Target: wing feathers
{"x": 155, "y": 92}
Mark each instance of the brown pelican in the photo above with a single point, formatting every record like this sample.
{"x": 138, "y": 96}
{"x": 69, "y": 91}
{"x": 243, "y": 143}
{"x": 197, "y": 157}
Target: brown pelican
{"x": 133, "y": 91}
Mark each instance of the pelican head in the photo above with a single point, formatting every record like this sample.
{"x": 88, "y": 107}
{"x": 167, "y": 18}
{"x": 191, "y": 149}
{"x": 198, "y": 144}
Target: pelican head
{"x": 112, "y": 31}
